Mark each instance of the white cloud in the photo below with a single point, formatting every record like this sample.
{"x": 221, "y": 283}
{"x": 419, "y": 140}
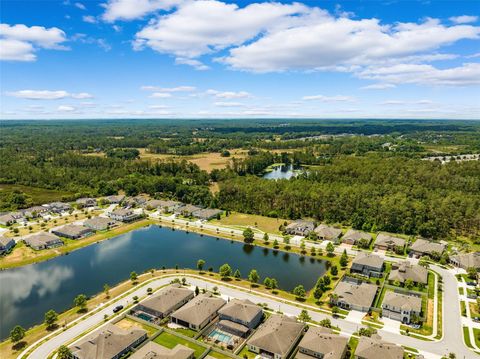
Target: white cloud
{"x": 90, "y": 19}
{"x": 134, "y": 9}
{"x": 169, "y": 89}
{"x": 47, "y": 94}
{"x": 322, "y": 98}
{"x": 466, "y": 74}
{"x": 64, "y": 108}
{"x": 379, "y": 86}
{"x": 198, "y": 65}
{"x": 20, "y": 42}
{"x": 80, "y": 6}
{"x": 158, "y": 107}
{"x": 161, "y": 95}
{"x": 228, "y": 94}
{"x": 228, "y": 104}
{"x": 463, "y": 19}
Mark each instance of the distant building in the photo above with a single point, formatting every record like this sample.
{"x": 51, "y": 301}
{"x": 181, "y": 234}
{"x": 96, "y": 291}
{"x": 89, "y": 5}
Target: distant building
{"x": 320, "y": 342}
{"x": 166, "y": 301}
{"x": 423, "y": 247}
{"x": 116, "y": 199}
{"x": 199, "y": 312}
{"x": 73, "y": 231}
{"x": 34, "y": 212}
{"x": 100, "y": 223}
{"x": 109, "y": 342}
{"x": 403, "y": 271}
{"x": 401, "y": 307}
{"x": 86, "y": 202}
{"x": 328, "y": 233}
{"x": 353, "y": 236}
{"x": 168, "y": 206}
{"x": 123, "y": 215}
{"x": 186, "y": 210}
{"x": 300, "y": 228}
{"x": 352, "y": 294}
{"x": 276, "y": 337}
{"x": 375, "y": 348}
{"x": 207, "y": 213}
{"x": 43, "y": 240}
{"x": 466, "y": 260}
{"x": 239, "y": 317}
{"x": 6, "y": 244}
{"x": 387, "y": 242}
{"x": 367, "y": 264}
{"x": 152, "y": 350}
{"x": 7, "y": 219}
{"x": 58, "y": 207}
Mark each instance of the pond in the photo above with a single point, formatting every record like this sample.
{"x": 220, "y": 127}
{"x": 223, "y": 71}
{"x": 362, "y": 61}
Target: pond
{"x": 26, "y": 293}
{"x": 283, "y": 172}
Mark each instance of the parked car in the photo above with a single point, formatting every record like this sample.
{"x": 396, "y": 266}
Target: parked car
{"x": 117, "y": 308}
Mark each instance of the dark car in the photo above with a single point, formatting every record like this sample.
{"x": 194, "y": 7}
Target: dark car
{"x": 117, "y": 308}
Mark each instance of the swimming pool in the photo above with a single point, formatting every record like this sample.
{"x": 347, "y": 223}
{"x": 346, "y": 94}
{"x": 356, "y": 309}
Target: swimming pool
{"x": 222, "y": 337}
{"x": 144, "y": 317}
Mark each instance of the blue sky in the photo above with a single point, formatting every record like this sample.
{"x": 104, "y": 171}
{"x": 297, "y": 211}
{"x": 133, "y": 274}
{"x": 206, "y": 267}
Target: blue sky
{"x": 222, "y": 59}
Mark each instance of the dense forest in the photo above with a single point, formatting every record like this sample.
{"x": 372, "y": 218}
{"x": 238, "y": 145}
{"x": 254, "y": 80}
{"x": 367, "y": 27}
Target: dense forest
{"x": 368, "y": 174}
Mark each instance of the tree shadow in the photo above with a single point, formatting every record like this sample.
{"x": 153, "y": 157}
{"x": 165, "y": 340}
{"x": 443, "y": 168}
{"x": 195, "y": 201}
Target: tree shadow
{"x": 52, "y": 327}
{"x": 82, "y": 310}
{"x": 19, "y": 345}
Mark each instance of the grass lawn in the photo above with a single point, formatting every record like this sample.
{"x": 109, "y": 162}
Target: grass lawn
{"x": 466, "y": 336}
{"x": 185, "y": 331}
{"x": 460, "y": 291}
{"x": 38, "y": 195}
{"x": 476, "y": 334}
{"x": 218, "y": 355}
{"x": 474, "y": 309}
{"x": 127, "y": 323}
{"x": 246, "y": 353}
{"x": 463, "y": 309}
{"x": 352, "y": 343}
{"x": 170, "y": 341}
{"x": 265, "y": 224}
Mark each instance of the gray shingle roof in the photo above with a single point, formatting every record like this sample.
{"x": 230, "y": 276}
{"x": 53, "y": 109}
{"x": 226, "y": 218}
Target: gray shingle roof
{"x": 243, "y": 310}
{"x": 152, "y": 350}
{"x": 467, "y": 260}
{"x": 375, "y": 348}
{"x": 354, "y": 235}
{"x": 384, "y": 239}
{"x": 167, "y": 298}
{"x": 361, "y": 294}
{"x": 403, "y": 301}
{"x": 322, "y": 340}
{"x": 328, "y": 232}
{"x": 199, "y": 309}
{"x": 405, "y": 270}
{"x": 368, "y": 259}
{"x": 423, "y": 246}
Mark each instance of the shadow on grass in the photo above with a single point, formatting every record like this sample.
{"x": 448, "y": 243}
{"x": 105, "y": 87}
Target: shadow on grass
{"x": 19, "y": 345}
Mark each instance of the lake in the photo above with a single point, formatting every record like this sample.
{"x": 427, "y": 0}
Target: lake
{"x": 283, "y": 172}
{"x": 26, "y": 293}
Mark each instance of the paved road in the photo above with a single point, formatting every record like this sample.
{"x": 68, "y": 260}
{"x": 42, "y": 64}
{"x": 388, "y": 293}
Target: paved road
{"x": 452, "y": 342}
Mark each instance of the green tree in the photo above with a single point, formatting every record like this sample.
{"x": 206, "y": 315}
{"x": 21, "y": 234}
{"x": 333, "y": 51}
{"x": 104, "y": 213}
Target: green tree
{"x": 17, "y": 334}
{"x": 326, "y": 323}
{"x": 317, "y": 293}
{"x": 344, "y": 258}
{"x": 248, "y": 235}
{"x": 265, "y": 237}
{"x": 273, "y": 283}
{"x": 134, "y": 277}
{"x": 304, "y": 316}
{"x": 80, "y": 301}
{"x": 330, "y": 249}
{"x": 472, "y": 273}
{"x": 237, "y": 274}
{"x": 409, "y": 283}
{"x": 334, "y": 270}
{"x": 51, "y": 318}
{"x": 253, "y": 276}
{"x": 225, "y": 271}
{"x": 106, "y": 290}
{"x": 275, "y": 243}
{"x": 64, "y": 352}
{"x": 299, "y": 291}
{"x": 267, "y": 283}
{"x": 200, "y": 264}
{"x": 302, "y": 246}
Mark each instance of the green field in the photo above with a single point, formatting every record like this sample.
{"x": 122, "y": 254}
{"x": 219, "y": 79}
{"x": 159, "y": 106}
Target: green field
{"x": 170, "y": 341}
{"x": 35, "y": 194}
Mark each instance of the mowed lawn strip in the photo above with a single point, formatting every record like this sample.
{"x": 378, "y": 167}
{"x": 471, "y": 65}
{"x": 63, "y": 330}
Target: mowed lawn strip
{"x": 170, "y": 341}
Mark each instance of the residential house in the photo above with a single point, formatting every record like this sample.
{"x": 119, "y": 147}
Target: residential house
{"x": 300, "y": 228}
{"x": 43, "y": 240}
{"x": 123, "y": 215}
{"x": 154, "y": 204}
{"x": 7, "y": 219}
{"x": 466, "y": 260}
{"x": 73, "y": 231}
{"x": 58, "y": 207}
{"x": 199, "y": 312}
{"x": 320, "y": 342}
{"x": 86, "y": 202}
{"x": 387, "y": 242}
{"x": 100, "y": 223}
{"x": 375, "y": 348}
{"x": 34, "y": 212}
{"x": 166, "y": 301}
{"x": 328, "y": 233}
{"x": 401, "y": 307}
{"x": 239, "y": 317}
{"x": 108, "y": 342}
{"x": 152, "y": 350}
{"x": 367, "y": 264}
{"x": 187, "y": 210}
{"x": 402, "y": 271}
{"x": 168, "y": 206}
{"x": 353, "y": 237}
{"x": 353, "y": 294}
{"x": 6, "y": 244}
{"x": 423, "y": 247}
{"x": 276, "y": 337}
{"x": 206, "y": 214}
{"x": 115, "y": 199}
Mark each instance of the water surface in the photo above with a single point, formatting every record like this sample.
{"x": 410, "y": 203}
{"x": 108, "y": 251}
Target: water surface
{"x": 283, "y": 172}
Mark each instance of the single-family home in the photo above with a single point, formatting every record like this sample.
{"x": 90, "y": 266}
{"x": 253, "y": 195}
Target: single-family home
{"x": 401, "y": 307}
{"x": 7, "y": 219}
{"x": 6, "y": 244}
{"x": 300, "y": 228}
{"x": 367, "y": 264}
{"x": 168, "y": 206}
{"x": 186, "y": 210}
{"x": 115, "y": 199}
{"x": 108, "y": 342}
{"x": 153, "y": 204}
{"x": 353, "y": 294}
{"x": 239, "y": 317}
{"x": 375, "y": 348}
{"x": 388, "y": 242}
{"x": 43, "y": 240}
{"x": 423, "y": 247}
{"x": 34, "y": 212}
{"x": 166, "y": 301}
{"x": 86, "y": 202}
{"x": 206, "y": 214}
{"x": 198, "y": 312}
{"x": 276, "y": 337}
{"x": 152, "y": 350}
{"x": 58, "y": 207}
{"x": 73, "y": 231}
{"x": 123, "y": 215}
{"x": 320, "y": 342}
{"x": 328, "y": 233}
{"x": 353, "y": 237}
{"x": 100, "y": 223}
{"x": 403, "y": 271}
{"x": 466, "y": 260}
